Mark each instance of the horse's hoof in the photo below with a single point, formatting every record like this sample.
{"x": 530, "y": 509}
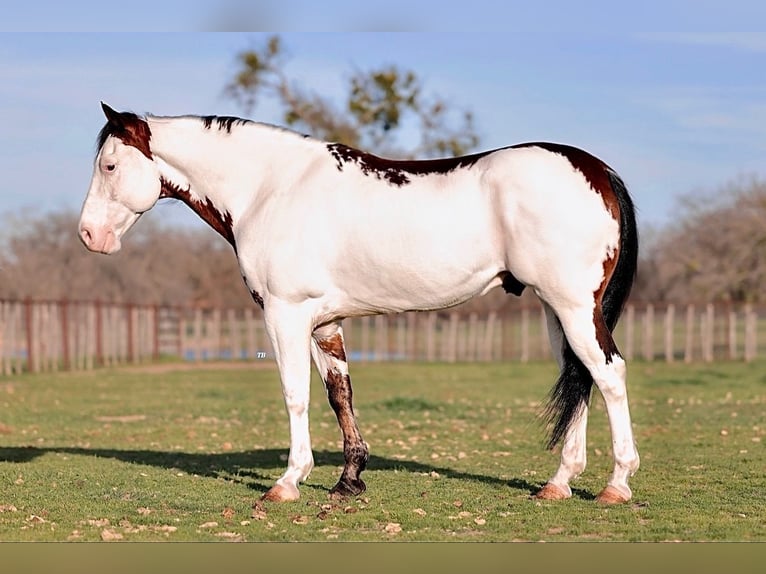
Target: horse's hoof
{"x": 281, "y": 493}
{"x": 552, "y": 492}
{"x": 347, "y": 489}
{"x": 612, "y": 495}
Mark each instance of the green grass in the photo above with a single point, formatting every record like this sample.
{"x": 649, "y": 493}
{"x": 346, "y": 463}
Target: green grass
{"x": 456, "y": 450}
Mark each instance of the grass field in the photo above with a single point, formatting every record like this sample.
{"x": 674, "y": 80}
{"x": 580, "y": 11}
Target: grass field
{"x": 182, "y": 454}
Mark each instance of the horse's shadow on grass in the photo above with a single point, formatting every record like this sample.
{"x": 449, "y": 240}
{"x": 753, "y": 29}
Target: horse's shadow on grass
{"x": 259, "y": 468}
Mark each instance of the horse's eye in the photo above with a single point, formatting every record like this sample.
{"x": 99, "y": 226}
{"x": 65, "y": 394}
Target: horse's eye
{"x": 109, "y": 167}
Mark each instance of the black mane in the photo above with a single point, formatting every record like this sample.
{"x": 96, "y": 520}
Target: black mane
{"x": 223, "y": 122}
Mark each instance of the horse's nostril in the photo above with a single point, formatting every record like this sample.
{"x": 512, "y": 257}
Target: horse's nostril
{"x": 86, "y": 235}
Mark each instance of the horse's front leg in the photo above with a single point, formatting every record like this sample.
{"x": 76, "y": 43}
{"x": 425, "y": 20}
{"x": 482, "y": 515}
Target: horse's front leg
{"x": 329, "y": 353}
{"x": 290, "y": 331}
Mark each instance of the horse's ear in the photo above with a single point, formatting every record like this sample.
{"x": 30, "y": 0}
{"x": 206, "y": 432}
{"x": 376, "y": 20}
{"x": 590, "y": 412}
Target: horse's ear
{"x": 111, "y": 115}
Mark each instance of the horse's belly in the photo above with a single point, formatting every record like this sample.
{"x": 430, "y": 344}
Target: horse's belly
{"x": 415, "y": 280}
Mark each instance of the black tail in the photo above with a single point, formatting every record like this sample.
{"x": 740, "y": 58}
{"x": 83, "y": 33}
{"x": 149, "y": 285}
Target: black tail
{"x": 572, "y": 390}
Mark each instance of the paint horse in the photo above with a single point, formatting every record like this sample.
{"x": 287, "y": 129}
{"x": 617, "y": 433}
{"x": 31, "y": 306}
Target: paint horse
{"x": 323, "y": 232}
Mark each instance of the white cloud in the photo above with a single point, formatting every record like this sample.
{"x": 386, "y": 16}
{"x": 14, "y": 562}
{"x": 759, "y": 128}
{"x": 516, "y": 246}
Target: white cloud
{"x": 710, "y": 112}
{"x": 745, "y": 41}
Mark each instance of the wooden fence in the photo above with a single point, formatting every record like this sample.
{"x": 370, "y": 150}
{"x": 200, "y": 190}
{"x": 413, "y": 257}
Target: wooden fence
{"x": 73, "y": 335}
{"x": 51, "y": 335}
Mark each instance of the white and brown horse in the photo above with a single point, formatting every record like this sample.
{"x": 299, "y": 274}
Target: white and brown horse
{"x": 323, "y": 232}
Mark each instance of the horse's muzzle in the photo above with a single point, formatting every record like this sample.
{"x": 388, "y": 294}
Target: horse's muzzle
{"x": 100, "y": 240}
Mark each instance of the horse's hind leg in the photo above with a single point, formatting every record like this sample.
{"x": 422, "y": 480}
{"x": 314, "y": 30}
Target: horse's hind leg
{"x": 573, "y": 452}
{"x": 591, "y": 341}
{"x": 329, "y": 353}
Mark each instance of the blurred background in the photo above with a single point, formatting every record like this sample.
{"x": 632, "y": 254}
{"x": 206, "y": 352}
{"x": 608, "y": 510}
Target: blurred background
{"x": 681, "y": 116}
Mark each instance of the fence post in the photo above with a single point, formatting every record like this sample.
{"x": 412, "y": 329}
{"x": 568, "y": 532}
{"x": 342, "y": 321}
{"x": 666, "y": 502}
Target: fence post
{"x": 30, "y": 336}
{"x": 234, "y": 343}
{"x": 380, "y": 334}
{"x": 99, "y": 340}
{"x": 648, "y": 342}
{"x": 198, "y": 333}
{"x": 155, "y": 326}
{"x": 401, "y": 338}
{"x": 44, "y": 337}
{"x": 524, "y": 335}
{"x": 111, "y": 336}
{"x": 669, "y": 324}
{"x": 489, "y": 337}
{"x": 65, "y": 360}
{"x": 85, "y": 329}
{"x": 41, "y": 335}
{"x": 444, "y": 339}
{"x": 251, "y": 328}
{"x": 545, "y": 341}
{"x": 473, "y": 336}
{"x": 182, "y": 330}
{"x": 131, "y": 332}
{"x": 452, "y": 338}
{"x": 412, "y": 342}
{"x": 499, "y": 345}
{"x": 630, "y": 331}
{"x": 689, "y": 340}
{"x": 732, "y": 333}
{"x": 365, "y": 339}
{"x": 6, "y": 341}
{"x": 751, "y": 334}
{"x": 54, "y": 332}
{"x": 217, "y": 333}
{"x": 3, "y": 327}
{"x": 706, "y": 326}
{"x": 431, "y": 337}
{"x": 82, "y": 332}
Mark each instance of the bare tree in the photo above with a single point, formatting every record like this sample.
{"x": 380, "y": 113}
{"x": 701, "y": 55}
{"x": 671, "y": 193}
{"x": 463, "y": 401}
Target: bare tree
{"x": 41, "y": 257}
{"x": 379, "y": 103}
{"x": 715, "y": 249}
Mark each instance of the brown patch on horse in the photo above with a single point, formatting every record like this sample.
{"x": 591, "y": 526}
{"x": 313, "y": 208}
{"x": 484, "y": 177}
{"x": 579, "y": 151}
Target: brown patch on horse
{"x": 134, "y": 131}
{"x": 394, "y": 171}
{"x": 220, "y": 221}
{"x": 333, "y": 346}
{"x": 340, "y": 393}
{"x": 355, "y": 451}
{"x": 128, "y": 128}
{"x": 603, "y": 335}
{"x": 596, "y": 172}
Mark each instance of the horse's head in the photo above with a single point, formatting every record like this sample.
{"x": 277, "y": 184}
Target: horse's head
{"x": 125, "y": 183}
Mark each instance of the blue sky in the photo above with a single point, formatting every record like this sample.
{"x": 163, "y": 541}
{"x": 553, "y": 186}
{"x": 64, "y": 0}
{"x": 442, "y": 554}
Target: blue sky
{"x": 675, "y": 113}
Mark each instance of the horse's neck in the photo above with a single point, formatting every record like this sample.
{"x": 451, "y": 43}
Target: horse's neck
{"x": 226, "y": 169}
